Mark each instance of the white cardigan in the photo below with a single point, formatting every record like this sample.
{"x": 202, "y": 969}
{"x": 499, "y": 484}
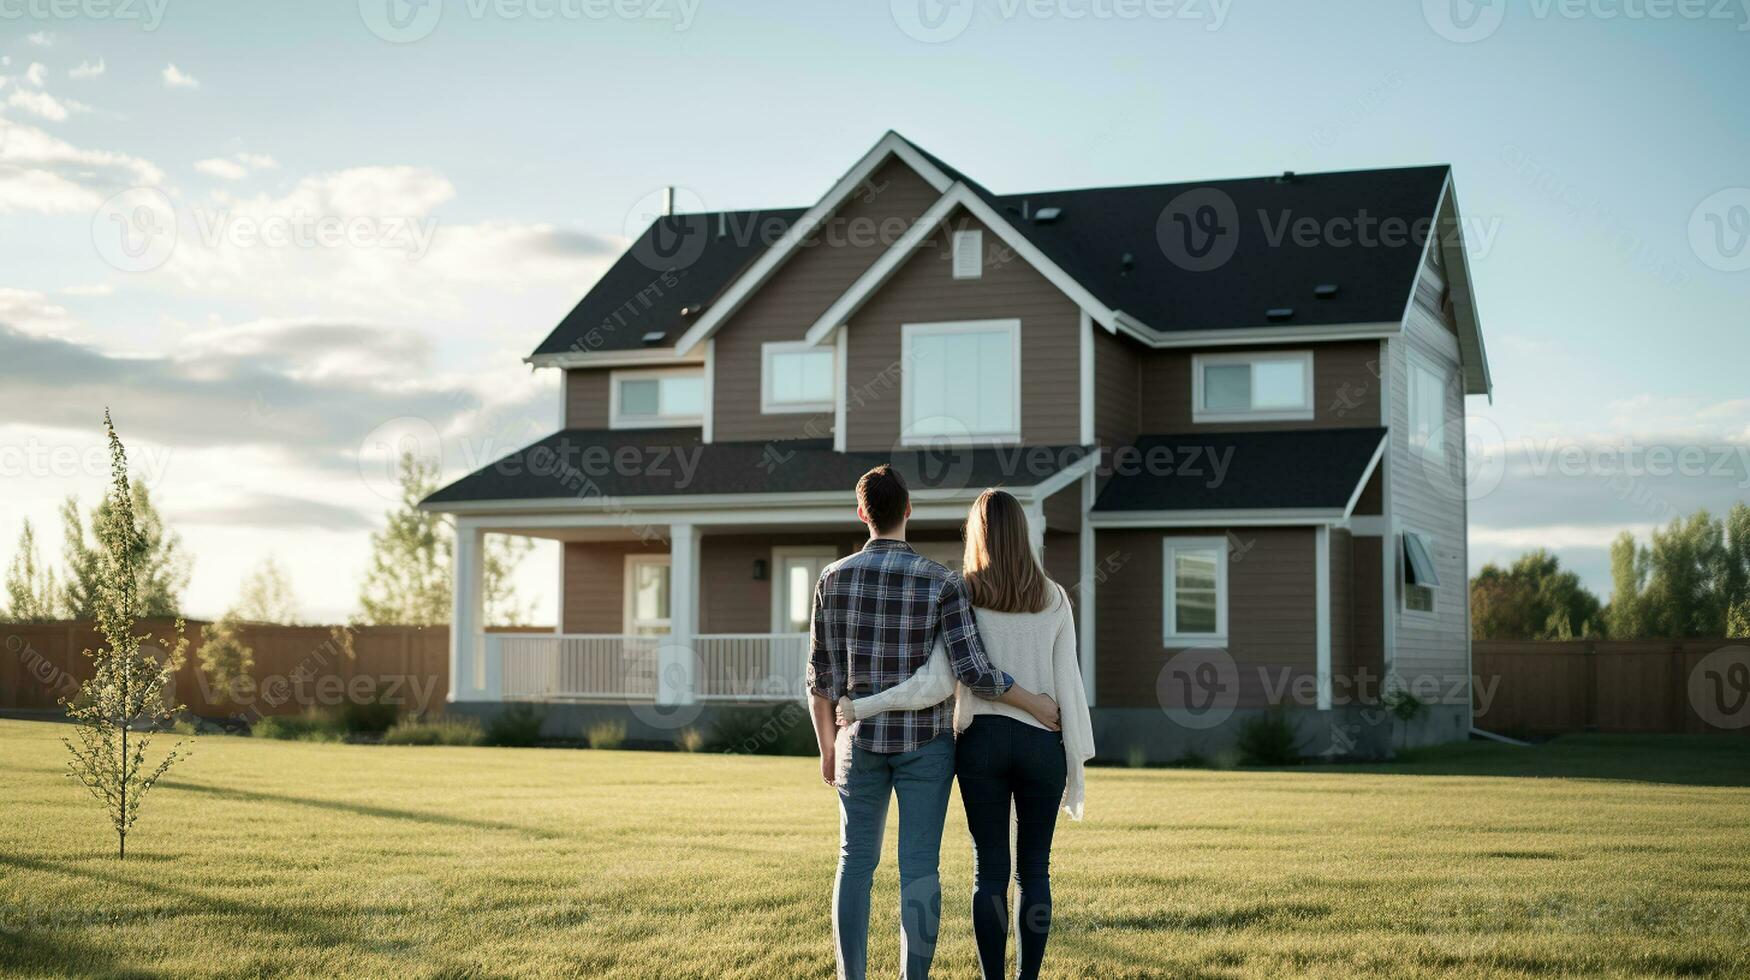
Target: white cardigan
{"x": 1039, "y": 651}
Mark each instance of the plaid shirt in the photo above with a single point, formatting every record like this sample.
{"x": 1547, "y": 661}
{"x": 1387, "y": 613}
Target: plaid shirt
{"x": 877, "y": 614}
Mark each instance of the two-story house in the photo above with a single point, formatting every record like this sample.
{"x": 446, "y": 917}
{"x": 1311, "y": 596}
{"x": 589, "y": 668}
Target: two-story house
{"x": 1233, "y": 409}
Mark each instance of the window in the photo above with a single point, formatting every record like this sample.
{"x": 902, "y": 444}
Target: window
{"x": 1420, "y": 579}
{"x": 1195, "y": 594}
{"x": 1427, "y": 410}
{"x": 645, "y": 399}
{"x": 647, "y": 579}
{"x": 960, "y": 381}
{"x": 796, "y": 377}
{"x": 1251, "y": 387}
{"x": 968, "y": 254}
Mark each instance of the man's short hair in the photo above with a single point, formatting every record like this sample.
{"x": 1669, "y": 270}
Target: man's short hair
{"x": 882, "y": 495}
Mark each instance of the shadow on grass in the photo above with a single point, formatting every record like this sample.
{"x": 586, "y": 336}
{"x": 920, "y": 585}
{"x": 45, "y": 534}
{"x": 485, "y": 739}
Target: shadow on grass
{"x": 1678, "y": 760}
{"x": 358, "y": 809}
{"x": 24, "y": 952}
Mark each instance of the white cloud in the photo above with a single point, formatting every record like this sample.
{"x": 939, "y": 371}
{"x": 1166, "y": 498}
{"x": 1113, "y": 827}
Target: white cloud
{"x": 88, "y": 69}
{"x": 89, "y": 289}
{"x": 41, "y": 39}
{"x": 258, "y": 161}
{"x": 44, "y": 105}
{"x": 222, "y": 168}
{"x": 40, "y": 172}
{"x": 174, "y": 77}
{"x": 33, "y": 313}
{"x": 36, "y": 74}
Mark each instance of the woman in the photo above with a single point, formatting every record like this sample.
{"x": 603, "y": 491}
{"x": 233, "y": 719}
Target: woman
{"x": 1004, "y": 754}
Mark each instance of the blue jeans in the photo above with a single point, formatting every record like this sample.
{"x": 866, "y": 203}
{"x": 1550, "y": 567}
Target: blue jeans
{"x": 866, "y": 781}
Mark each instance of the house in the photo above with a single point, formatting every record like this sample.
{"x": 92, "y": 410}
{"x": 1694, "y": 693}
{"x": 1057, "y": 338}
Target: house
{"x": 1234, "y": 411}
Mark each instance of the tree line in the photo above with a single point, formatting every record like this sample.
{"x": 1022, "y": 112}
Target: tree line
{"x": 1691, "y": 579}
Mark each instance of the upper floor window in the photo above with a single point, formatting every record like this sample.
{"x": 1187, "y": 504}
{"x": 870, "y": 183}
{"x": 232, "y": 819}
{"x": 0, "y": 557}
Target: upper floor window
{"x": 1195, "y": 602}
{"x": 968, "y": 254}
{"x": 1427, "y": 409}
{"x": 960, "y": 381}
{"x": 649, "y": 399}
{"x": 796, "y": 377}
{"x": 1251, "y": 387}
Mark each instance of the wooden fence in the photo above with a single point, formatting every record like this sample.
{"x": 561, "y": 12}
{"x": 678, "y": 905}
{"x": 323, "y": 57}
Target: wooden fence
{"x": 296, "y": 667}
{"x": 1693, "y": 686}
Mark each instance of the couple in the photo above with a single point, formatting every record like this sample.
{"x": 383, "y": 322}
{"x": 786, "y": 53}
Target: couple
{"x": 892, "y": 633}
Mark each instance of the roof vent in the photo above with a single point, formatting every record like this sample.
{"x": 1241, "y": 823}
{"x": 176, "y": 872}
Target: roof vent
{"x": 1279, "y": 314}
{"x": 1045, "y": 216}
{"x": 690, "y": 310}
{"x": 655, "y": 336}
{"x": 1286, "y": 178}
{"x": 1325, "y": 291}
{"x": 1127, "y": 263}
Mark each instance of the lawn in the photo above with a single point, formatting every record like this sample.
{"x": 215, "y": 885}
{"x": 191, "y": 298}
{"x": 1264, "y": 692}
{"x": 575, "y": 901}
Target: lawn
{"x": 1587, "y": 856}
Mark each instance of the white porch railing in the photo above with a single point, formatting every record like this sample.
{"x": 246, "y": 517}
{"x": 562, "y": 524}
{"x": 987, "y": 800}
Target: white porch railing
{"x": 759, "y": 667}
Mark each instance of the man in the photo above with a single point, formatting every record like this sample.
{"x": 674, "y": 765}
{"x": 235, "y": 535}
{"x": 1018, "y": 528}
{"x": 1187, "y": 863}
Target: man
{"x": 877, "y": 615}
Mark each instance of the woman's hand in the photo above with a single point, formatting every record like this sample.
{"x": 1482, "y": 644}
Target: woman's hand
{"x": 847, "y": 711}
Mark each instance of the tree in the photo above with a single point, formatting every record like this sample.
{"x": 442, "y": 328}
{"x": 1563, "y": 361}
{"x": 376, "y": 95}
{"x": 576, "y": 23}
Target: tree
{"x": 1532, "y": 599}
{"x": 267, "y": 596}
{"x": 1627, "y": 612}
{"x": 117, "y": 708}
{"x": 159, "y": 562}
{"x": 1692, "y": 579}
{"x": 225, "y": 659}
{"x": 409, "y": 578}
{"x": 31, "y": 592}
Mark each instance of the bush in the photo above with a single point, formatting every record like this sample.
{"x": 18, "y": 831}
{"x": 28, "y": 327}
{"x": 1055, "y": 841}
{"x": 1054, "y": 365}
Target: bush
{"x": 441, "y": 731}
{"x": 518, "y": 725}
{"x": 783, "y": 729}
{"x": 311, "y": 726}
{"x": 227, "y": 661}
{"x": 1270, "y": 739}
{"x": 689, "y": 740}
{"x": 605, "y": 734}
{"x": 372, "y": 717}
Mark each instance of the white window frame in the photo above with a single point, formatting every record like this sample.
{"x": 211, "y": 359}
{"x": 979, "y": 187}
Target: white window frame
{"x": 1424, "y": 371}
{"x": 769, "y": 405}
{"x": 970, "y": 245}
{"x": 629, "y": 618}
{"x": 1201, "y": 361}
{"x": 1404, "y": 576}
{"x": 909, "y": 331}
{"x": 779, "y": 553}
{"x": 1170, "y": 635}
{"x": 615, "y": 421}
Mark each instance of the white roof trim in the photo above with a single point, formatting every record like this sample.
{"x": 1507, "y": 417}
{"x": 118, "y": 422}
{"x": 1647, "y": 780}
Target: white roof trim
{"x": 958, "y": 195}
{"x": 611, "y": 358}
{"x": 1464, "y": 301}
{"x": 1251, "y": 336}
{"x": 1366, "y": 474}
{"x": 892, "y": 144}
{"x": 1260, "y": 517}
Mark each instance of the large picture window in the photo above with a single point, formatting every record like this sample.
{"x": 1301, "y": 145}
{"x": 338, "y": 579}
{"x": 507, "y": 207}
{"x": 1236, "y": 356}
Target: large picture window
{"x": 796, "y": 377}
{"x": 649, "y": 399}
{"x": 961, "y": 381}
{"x": 1427, "y": 410}
{"x": 1251, "y": 387}
{"x": 1194, "y": 572}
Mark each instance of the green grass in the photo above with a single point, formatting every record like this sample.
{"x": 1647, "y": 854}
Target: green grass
{"x": 1586, "y": 856}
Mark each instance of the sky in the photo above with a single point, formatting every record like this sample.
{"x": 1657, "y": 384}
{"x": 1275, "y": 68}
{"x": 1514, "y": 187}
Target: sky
{"x": 380, "y": 207}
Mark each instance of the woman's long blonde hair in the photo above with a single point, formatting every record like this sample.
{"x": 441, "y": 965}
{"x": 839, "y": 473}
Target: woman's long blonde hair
{"x": 999, "y": 568}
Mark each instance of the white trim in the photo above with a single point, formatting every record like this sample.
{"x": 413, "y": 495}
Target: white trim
{"x": 768, "y": 404}
{"x": 1248, "y": 336}
{"x": 890, "y": 144}
{"x": 842, "y": 363}
{"x": 1034, "y": 512}
{"x": 967, "y": 258}
{"x": 1201, "y": 415}
{"x": 1366, "y": 474}
{"x": 564, "y": 400}
{"x": 1170, "y": 636}
{"x": 1322, "y": 611}
{"x": 676, "y": 659}
{"x": 781, "y": 552}
{"x": 1089, "y": 580}
{"x": 1388, "y": 650}
{"x": 708, "y": 425}
{"x": 1368, "y": 526}
{"x": 654, "y": 421}
{"x": 907, "y": 334}
{"x": 641, "y": 357}
{"x": 628, "y": 599}
{"x": 1261, "y": 517}
{"x": 703, "y": 502}
{"x": 1062, "y": 478}
{"x": 471, "y": 680}
{"x": 1087, "y": 378}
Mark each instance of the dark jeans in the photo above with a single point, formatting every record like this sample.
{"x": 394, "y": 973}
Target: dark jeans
{"x": 998, "y": 760}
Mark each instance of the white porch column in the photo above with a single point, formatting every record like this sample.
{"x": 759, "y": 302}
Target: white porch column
{"x": 676, "y": 657}
{"x": 471, "y": 678}
{"x": 1036, "y": 528}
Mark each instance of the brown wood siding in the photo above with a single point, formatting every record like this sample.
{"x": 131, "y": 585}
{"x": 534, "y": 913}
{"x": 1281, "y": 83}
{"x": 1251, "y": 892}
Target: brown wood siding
{"x": 1271, "y": 625}
{"x": 731, "y": 599}
{"x": 1063, "y": 509}
{"x": 1117, "y": 389}
{"x": 924, "y": 291}
{"x": 789, "y": 303}
{"x": 1367, "y": 601}
{"x": 1063, "y": 564}
{"x": 1345, "y": 388}
{"x": 595, "y": 584}
{"x": 586, "y": 398}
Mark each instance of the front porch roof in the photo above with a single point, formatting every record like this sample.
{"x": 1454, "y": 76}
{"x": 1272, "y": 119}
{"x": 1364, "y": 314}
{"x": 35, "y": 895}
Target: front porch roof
{"x": 596, "y": 467}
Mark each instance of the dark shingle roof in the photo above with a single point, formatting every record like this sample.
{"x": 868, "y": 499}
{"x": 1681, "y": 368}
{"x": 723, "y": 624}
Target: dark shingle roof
{"x": 1290, "y": 468}
{"x": 632, "y": 463}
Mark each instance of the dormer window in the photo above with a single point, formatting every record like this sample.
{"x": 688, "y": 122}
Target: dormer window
{"x": 968, "y": 254}
{"x": 656, "y": 399}
{"x": 1252, "y": 387}
{"x": 796, "y": 377}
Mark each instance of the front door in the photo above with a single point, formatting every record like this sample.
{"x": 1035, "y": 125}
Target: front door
{"x": 794, "y": 572}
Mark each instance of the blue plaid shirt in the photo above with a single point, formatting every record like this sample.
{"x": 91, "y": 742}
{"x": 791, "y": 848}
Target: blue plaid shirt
{"x": 877, "y": 614}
